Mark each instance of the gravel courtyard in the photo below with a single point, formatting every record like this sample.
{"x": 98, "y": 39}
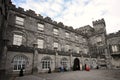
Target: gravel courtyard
{"x": 76, "y": 75}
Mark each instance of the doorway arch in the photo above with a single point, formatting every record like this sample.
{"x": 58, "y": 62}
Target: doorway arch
{"x": 76, "y": 65}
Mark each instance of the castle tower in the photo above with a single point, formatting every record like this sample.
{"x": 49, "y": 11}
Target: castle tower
{"x": 99, "y": 25}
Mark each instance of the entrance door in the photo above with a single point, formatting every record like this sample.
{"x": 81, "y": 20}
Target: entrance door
{"x": 76, "y": 65}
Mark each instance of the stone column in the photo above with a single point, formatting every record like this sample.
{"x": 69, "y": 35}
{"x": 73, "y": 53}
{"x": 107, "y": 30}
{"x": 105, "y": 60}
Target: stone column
{"x": 70, "y": 60}
{"x": 35, "y": 60}
{"x": 82, "y": 58}
{"x": 107, "y": 55}
{"x": 56, "y": 59}
{"x": 3, "y": 74}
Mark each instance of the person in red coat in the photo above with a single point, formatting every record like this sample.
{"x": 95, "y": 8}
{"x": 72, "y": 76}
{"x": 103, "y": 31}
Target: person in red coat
{"x": 87, "y": 68}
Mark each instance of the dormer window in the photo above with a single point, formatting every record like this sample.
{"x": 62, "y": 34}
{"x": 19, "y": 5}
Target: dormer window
{"x": 40, "y": 26}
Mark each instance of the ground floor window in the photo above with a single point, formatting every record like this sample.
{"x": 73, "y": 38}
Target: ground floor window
{"x": 94, "y": 64}
{"x": 46, "y": 62}
{"x": 19, "y": 62}
{"x": 64, "y": 62}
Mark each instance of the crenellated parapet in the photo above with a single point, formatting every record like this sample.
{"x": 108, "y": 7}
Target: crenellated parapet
{"x": 111, "y": 35}
{"x": 97, "y": 22}
{"x": 47, "y": 19}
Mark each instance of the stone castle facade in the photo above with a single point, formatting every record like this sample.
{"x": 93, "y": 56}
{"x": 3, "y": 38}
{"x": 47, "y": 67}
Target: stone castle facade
{"x": 34, "y": 43}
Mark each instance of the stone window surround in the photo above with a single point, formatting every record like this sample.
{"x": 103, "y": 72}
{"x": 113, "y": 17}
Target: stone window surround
{"x": 40, "y": 43}
{"x": 114, "y": 48}
{"x": 19, "y": 20}
{"x": 64, "y": 62}
{"x": 19, "y": 61}
{"x": 17, "y": 39}
{"x": 46, "y": 63}
{"x": 40, "y": 26}
{"x": 55, "y": 31}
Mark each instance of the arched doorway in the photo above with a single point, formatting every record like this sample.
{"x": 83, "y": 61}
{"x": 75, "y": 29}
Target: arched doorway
{"x": 76, "y": 65}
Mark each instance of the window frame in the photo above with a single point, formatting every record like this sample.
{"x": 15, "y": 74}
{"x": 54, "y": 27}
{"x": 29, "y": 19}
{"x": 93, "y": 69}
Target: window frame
{"x": 19, "y": 61}
{"x": 41, "y": 45}
{"x": 54, "y": 45}
{"x": 67, "y": 47}
{"x": 76, "y": 37}
{"x": 64, "y": 62}
{"x": 77, "y": 49}
{"x": 67, "y": 34}
{"x": 114, "y": 48}
{"x": 40, "y": 27}
{"x": 19, "y": 20}
{"x": 17, "y": 39}
{"x": 55, "y": 31}
{"x": 99, "y": 39}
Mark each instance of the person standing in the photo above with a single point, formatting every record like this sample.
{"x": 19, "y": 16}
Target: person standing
{"x": 21, "y": 72}
{"x": 81, "y": 67}
{"x": 49, "y": 70}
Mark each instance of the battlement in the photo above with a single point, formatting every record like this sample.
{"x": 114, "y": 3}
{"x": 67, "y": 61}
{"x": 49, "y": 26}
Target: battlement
{"x": 47, "y": 19}
{"x": 100, "y": 21}
{"x": 38, "y": 16}
{"x": 116, "y": 34}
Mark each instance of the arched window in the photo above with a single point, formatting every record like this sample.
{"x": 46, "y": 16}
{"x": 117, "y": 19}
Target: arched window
{"x": 64, "y": 62}
{"x": 94, "y": 63}
{"x": 46, "y": 62}
{"x": 19, "y": 62}
{"x": 86, "y": 61}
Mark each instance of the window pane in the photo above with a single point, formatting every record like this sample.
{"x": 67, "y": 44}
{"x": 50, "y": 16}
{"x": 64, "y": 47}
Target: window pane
{"x": 55, "y": 45}
{"x": 55, "y": 31}
{"x": 15, "y": 67}
{"x": 40, "y": 43}
{"x": 19, "y": 62}
{"x": 76, "y": 37}
{"x": 19, "y": 20}
{"x": 40, "y": 27}
{"x": 67, "y": 35}
{"x": 45, "y": 64}
{"x": 67, "y": 47}
{"x": 19, "y": 67}
{"x": 77, "y": 49}
{"x": 17, "y": 39}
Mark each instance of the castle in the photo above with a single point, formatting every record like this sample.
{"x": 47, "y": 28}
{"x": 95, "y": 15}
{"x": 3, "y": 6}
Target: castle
{"x": 35, "y": 44}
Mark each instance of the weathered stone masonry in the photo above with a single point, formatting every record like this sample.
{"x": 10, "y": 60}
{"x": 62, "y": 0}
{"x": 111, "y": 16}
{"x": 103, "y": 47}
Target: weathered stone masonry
{"x": 62, "y": 45}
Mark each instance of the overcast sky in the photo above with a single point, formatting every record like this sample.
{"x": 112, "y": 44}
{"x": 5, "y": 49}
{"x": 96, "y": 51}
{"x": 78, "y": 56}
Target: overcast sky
{"x": 76, "y": 13}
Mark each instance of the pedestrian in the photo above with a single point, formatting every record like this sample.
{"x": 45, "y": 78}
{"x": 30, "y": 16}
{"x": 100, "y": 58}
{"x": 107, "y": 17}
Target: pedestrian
{"x": 81, "y": 67}
{"x": 21, "y": 72}
{"x": 49, "y": 70}
{"x": 97, "y": 67}
{"x": 62, "y": 68}
{"x": 85, "y": 67}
